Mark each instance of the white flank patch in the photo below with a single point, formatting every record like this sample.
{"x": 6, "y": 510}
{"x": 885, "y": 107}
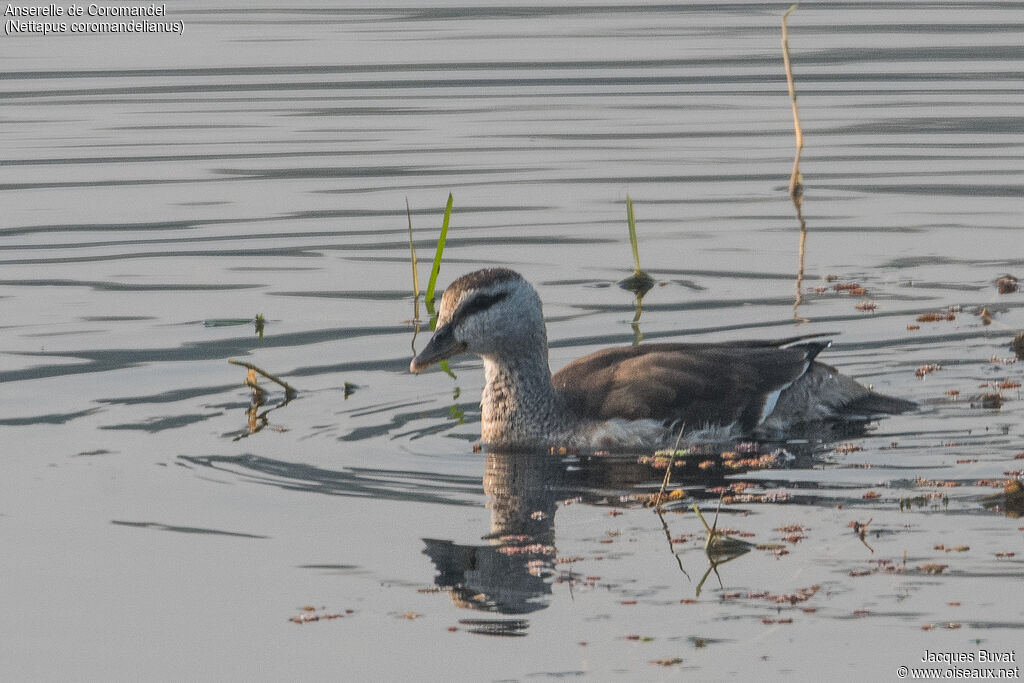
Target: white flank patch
{"x": 773, "y": 398}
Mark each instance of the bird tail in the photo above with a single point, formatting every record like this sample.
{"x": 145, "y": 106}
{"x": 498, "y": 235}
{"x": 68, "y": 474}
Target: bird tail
{"x": 874, "y": 403}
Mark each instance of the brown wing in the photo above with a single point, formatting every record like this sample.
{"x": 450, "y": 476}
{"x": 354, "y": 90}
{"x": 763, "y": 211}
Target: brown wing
{"x": 698, "y": 384}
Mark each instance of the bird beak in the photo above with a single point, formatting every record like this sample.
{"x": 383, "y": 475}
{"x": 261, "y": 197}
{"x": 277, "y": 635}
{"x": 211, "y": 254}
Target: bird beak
{"x": 442, "y": 345}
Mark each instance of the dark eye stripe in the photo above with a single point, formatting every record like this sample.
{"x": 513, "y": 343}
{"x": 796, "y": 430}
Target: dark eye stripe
{"x": 478, "y": 303}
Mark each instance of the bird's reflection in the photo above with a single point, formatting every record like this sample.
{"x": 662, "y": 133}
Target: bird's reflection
{"x": 512, "y": 570}
{"x": 508, "y": 573}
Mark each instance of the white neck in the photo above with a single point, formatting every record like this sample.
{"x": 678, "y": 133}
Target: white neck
{"x": 519, "y": 406}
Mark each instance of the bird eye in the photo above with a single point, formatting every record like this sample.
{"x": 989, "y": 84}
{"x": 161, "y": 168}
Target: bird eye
{"x": 480, "y": 302}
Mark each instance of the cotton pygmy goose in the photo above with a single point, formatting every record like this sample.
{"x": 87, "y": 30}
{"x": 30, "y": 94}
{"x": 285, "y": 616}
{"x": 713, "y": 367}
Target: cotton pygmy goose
{"x": 632, "y": 397}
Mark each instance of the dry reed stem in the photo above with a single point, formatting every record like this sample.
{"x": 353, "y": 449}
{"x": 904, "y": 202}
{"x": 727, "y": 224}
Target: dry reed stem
{"x": 796, "y": 182}
{"x": 800, "y": 271}
{"x": 796, "y": 186}
{"x": 415, "y": 274}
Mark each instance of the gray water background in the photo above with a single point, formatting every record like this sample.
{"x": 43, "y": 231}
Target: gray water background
{"x": 158, "y": 191}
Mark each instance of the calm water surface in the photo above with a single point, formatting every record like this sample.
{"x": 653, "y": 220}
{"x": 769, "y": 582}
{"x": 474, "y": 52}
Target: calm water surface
{"x": 160, "y": 191}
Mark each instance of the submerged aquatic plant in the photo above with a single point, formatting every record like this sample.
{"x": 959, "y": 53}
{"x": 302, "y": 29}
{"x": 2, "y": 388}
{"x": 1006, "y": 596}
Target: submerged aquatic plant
{"x": 639, "y": 282}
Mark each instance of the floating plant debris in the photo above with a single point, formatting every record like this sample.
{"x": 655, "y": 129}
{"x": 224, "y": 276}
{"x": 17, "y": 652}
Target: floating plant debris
{"x": 653, "y": 499}
{"x": 770, "y": 546}
{"x": 731, "y": 460}
{"x": 667, "y": 662}
{"x": 737, "y": 532}
{"x": 310, "y": 615}
{"x": 881, "y": 566}
{"x": 661, "y": 459}
{"x": 792, "y": 599}
{"x": 1007, "y": 284}
{"x": 1018, "y": 345}
{"x": 858, "y": 528}
{"x": 532, "y": 549}
{"x": 935, "y": 317}
{"x": 987, "y": 401}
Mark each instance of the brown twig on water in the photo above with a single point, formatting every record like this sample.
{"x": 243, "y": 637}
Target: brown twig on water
{"x": 289, "y": 390}
{"x": 861, "y": 530}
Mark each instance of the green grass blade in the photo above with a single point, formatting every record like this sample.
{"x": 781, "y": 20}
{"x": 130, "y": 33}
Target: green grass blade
{"x": 432, "y": 283}
{"x": 639, "y": 282}
{"x": 631, "y": 221}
